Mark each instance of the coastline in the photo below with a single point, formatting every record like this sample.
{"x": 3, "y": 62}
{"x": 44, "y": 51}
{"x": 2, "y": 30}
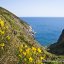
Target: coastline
{"x": 31, "y": 31}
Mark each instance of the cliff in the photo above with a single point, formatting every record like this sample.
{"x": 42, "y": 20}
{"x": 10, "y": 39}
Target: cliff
{"x": 58, "y": 48}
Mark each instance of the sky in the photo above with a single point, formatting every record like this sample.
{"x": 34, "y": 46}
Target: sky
{"x": 34, "y": 8}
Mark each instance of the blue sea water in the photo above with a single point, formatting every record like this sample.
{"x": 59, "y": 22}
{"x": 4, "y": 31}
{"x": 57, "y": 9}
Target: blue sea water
{"x": 48, "y": 29}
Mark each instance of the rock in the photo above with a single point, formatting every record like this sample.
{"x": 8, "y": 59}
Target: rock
{"x": 58, "y": 47}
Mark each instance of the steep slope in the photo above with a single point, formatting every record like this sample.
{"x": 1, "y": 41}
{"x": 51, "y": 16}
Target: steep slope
{"x": 58, "y": 48}
{"x": 17, "y": 44}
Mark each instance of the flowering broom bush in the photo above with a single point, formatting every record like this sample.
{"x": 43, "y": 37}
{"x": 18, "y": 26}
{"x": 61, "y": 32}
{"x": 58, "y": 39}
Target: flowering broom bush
{"x": 30, "y": 55}
{"x": 4, "y": 36}
{"x": 26, "y": 54}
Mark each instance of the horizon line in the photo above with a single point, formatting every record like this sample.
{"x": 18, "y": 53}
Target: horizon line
{"x": 40, "y": 17}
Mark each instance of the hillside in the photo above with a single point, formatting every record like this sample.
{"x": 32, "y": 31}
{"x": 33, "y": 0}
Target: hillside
{"x": 17, "y": 45}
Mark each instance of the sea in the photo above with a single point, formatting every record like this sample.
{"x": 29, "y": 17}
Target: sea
{"x": 48, "y": 29}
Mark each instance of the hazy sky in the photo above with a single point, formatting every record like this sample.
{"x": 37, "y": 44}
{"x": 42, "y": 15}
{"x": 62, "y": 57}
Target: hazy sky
{"x": 35, "y": 8}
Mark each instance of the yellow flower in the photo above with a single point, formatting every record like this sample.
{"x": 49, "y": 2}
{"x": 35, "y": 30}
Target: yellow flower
{"x": 42, "y": 58}
{"x": 33, "y": 48}
{"x": 20, "y": 50}
{"x": 24, "y": 53}
{"x": 30, "y": 59}
{"x": 2, "y": 32}
{"x": 28, "y": 50}
{"x": 1, "y": 23}
{"x": 8, "y": 37}
{"x": 2, "y": 44}
{"x": 39, "y": 50}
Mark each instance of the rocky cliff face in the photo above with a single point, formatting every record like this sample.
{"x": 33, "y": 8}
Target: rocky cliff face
{"x": 58, "y": 48}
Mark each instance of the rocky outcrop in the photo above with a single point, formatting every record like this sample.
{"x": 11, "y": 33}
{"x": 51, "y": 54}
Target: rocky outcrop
{"x": 58, "y": 48}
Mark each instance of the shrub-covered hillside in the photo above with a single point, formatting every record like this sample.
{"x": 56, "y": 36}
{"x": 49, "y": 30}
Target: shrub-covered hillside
{"x": 17, "y": 45}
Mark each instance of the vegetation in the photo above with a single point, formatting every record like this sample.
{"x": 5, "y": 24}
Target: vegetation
{"x": 17, "y": 46}
{"x": 4, "y": 37}
{"x": 26, "y": 54}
